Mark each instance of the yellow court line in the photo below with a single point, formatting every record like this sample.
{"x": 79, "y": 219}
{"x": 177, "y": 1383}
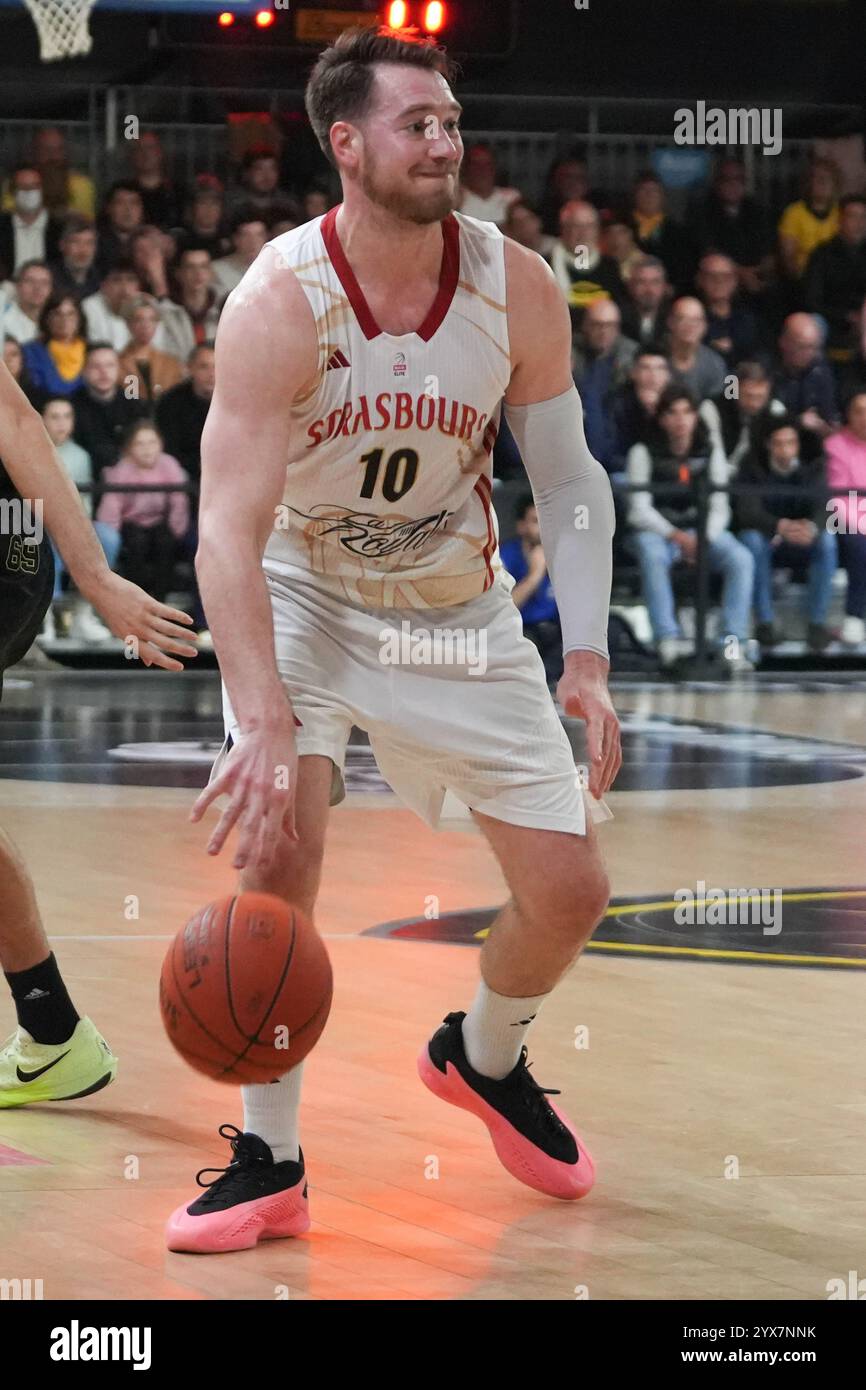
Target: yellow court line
{"x": 712, "y": 954}
{"x": 786, "y": 898}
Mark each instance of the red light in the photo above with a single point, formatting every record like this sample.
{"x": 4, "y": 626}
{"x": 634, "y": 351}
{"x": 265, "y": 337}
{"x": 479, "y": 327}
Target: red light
{"x": 226, "y": 18}
{"x": 434, "y": 17}
{"x": 398, "y": 13}
{"x": 264, "y": 18}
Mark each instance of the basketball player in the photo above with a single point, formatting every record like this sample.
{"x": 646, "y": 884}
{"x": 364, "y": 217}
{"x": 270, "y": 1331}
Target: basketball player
{"x": 360, "y": 368}
{"x": 54, "y": 1054}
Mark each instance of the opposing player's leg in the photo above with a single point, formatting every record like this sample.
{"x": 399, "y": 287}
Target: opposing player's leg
{"x": 478, "y": 1060}
{"x": 262, "y": 1193}
{"x": 53, "y": 1054}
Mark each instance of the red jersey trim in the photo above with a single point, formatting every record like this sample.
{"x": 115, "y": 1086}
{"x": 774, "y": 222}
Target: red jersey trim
{"x": 485, "y": 491}
{"x": 449, "y": 274}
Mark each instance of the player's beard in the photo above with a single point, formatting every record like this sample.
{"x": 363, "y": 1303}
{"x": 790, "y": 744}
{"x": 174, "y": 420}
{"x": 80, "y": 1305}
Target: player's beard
{"x": 428, "y": 204}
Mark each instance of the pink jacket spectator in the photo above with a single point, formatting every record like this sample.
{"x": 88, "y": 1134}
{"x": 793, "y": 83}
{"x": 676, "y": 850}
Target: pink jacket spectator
{"x": 146, "y": 508}
{"x": 846, "y": 468}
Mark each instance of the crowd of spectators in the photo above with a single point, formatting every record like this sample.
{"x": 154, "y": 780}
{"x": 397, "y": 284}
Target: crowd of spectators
{"x": 726, "y": 346}
{"x": 727, "y": 342}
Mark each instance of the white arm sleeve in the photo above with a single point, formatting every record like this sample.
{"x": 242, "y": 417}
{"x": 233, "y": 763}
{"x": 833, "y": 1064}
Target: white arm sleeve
{"x": 575, "y": 514}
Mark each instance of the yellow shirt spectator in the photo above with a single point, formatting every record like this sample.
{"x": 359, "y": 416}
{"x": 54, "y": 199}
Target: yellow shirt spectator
{"x": 806, "y": 229}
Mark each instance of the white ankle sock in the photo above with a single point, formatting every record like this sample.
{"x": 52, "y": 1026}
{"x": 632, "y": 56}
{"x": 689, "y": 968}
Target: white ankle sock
{"x": 271, "y": 1112}
{"x": 494, "y": 1030}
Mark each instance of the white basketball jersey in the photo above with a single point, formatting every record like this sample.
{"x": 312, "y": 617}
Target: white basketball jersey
{"x": 388, "y": 484}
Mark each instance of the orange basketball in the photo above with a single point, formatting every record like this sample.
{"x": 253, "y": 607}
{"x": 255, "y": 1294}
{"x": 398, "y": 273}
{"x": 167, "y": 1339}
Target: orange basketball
{"x": 245, "y": 989}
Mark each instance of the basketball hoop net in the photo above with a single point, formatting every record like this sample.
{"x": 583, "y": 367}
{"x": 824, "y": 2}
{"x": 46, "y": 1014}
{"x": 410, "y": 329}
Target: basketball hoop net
{"x": 62, "y": 27}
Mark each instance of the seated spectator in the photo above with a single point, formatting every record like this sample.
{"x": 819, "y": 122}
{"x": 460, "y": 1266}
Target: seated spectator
{"x": 259, "y": 183}
{"x": 786, "y": 526}
{"x": 33, "y": 285}
{"x": 852, "y": 376}
{"x": 182, "y": 411}
{"x": 583, "y": 273}
{"x": 657, "y": 234}
{"x": 693, "y": 365}
{"x": 481, "y": 196}
{"x": 151, "y": 252}
{"x": 523, "y": 225}
{"x": 618, "y": 242}
{"x": 633, "y": 412}
{"x": 732, "y": 329}
{"x": 122, "y": 216}
{"x": 734, "y": 223}
{"x": 203, "y": 229}
{"x": 315, "y": 203}
{"x": 158, "y": 195}
{"x": 103, "y": 413}
{"x": 180, "y": 416}
{"x": 286, "y": 216}
{"x": 645, "y": 312}
{"x": 104, "y": 311}
{"x": 28, "y": 232}
{"x": 78, "y": 268}
{"x": 664, "y": 525}
{"x": 58, "y": 416}
{"x": 13, "y": 356}
{"x": 151, "y": 524}
{"x": 55, "y": 360}
{"x": 834, "y": 284}
{"x": 601, "y": 360}
{"x": 567, "y": 181}
{"x": 191, "y": 317}
{"x": 152, "y": 371}
{"x": 803, "y": 380}
{"x": 812, "y": 220}
{"x": 846, "y": 469}
{"x": 740, "y": 420}
{"x": 64, "y": 190}
{"x": 248, "y": 235}
{"x": 524, "y": 560}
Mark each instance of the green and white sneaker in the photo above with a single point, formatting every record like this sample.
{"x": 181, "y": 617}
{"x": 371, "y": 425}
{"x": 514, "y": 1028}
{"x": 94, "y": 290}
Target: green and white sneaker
{"x": 32, "y": 1072}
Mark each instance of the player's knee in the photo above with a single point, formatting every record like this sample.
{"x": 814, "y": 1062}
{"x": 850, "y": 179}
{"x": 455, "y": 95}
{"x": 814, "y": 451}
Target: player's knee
{"x": 574, "y": 903}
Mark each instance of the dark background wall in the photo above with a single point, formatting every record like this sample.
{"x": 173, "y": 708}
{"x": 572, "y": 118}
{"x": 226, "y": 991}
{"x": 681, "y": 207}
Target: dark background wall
{"x": 768, "y": 51}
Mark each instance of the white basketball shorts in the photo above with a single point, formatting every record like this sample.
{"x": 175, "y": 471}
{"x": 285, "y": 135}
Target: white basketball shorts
{"x": 451, "y": 698}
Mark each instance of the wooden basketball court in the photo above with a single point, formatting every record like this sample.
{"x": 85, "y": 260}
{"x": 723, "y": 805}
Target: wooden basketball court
{"x": 721, "y": 1097}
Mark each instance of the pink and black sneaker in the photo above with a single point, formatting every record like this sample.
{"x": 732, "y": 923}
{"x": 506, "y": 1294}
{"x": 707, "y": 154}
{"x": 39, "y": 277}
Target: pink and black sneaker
{"x": 532, "y": 1138}
{"x": 253, "y": 1199}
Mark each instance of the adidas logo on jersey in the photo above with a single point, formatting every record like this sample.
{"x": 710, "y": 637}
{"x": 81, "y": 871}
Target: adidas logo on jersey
{"x": 338, "y": 359}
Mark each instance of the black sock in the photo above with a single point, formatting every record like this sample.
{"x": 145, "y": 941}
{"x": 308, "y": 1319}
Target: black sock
{"x": 41, "y": 1002}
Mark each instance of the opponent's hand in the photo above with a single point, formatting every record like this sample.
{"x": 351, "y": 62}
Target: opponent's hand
{"x": 260, "y": 777}
{"x": 130, "y": 612}
{"x": 582, "y": 692}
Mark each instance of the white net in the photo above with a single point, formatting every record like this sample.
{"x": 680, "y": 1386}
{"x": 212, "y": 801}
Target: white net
{"x": 62, "y": 27}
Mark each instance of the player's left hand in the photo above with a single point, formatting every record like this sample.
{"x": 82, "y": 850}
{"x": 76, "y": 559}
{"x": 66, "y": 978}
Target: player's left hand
{"x": 130, "y": 612}
{"x": 582, "y": 692}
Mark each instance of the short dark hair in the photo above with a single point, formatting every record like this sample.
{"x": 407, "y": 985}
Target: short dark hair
{"x": 340, "y": 87}
{"x": 669, "y": 397}
{"x": 25, "y": 166}
{"x": 256, "y": 153}
{"x": 34, "y": 264}
{"x": 123, "y": 266}
{"x": 100, "y": 346}
{"x": 122, "y": 186}
{"x": 650, "y": 350}
{"x": 244, "y": 216}
{"x": 753, "y": 370}
{"x": 143, "y": 423}
{"x": 207, "y": 346}
{"x": 75, "y": 222}
{"x": 523, "y": 504}
{"x": 850, "y": 198}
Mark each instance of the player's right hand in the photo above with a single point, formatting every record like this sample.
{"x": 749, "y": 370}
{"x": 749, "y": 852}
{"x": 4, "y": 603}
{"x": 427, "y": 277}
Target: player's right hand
{"x": 260, "y": 778}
